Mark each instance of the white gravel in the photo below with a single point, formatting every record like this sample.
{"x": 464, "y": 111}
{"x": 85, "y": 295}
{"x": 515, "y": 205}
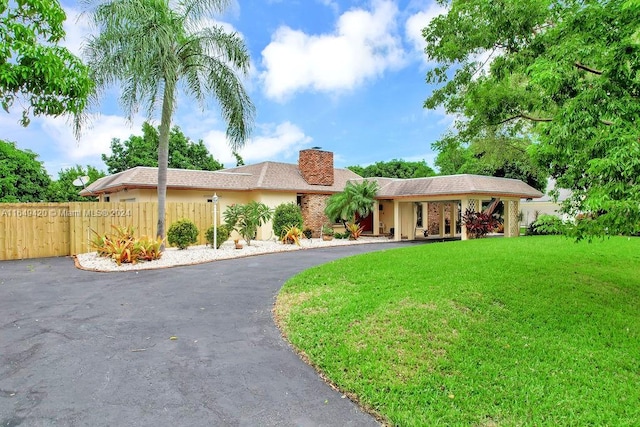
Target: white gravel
{"x": 200, "y": 254}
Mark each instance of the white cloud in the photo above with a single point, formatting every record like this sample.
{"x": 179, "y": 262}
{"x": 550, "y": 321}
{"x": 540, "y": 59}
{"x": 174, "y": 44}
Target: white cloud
{"x": 363, "y": 46}
{"x": 77, "y": 27}
{"x": 96, "y": 138}
{"x": 441, "y": 117}
{"x": 333, "y": 5}
{"x": 414, "y": 25}
{"x": 283, "y": 140}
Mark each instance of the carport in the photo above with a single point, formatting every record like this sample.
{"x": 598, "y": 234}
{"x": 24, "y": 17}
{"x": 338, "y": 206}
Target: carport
{"x": 406, "y": 207}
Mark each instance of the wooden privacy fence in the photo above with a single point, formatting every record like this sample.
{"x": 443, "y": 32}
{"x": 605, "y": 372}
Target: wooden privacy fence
{"x": 36, "y": 230}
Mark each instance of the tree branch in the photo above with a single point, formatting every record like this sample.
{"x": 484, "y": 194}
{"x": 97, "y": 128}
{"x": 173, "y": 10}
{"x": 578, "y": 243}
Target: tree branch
{"x": 588, "y": 69}
{"x": 539, "y": 119}
{"x": 523, "y": 116}
{"x": 536, "y": 119}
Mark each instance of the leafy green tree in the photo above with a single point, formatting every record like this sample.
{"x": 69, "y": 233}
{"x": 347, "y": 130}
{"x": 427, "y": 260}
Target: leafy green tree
{"x": 564, "y": 73}
{"x": 352, "y": 204}
{"x": 22, "y": 177}
{"x": 45, "y": 78}
{"x": 143, "y": 151}
{"x": 63, "y": 190}
{"x": 394, "y": 169}
{"x": 493, "y": 155}
{"x": 153, "y": 48}
{"x": 453, "y": 157}
{"x": 246, "y": 219}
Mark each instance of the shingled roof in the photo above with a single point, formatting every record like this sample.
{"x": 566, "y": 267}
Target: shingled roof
{"x": 274, "y": 176}
{"x": 271, "y": 176}
{"x": 454, "y": 185}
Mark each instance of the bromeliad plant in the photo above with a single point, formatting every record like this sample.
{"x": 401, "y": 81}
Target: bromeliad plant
{"x": 354, "y": 229}
{"x": 147, "y": 248}
{"x": 479, "y": 224}
{"x": 291, "y": 234}
{"x": 122, "y": 247}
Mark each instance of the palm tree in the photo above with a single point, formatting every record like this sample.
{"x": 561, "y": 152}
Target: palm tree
{"x": 357, "y": 198}
{"x": 152, "y": 50}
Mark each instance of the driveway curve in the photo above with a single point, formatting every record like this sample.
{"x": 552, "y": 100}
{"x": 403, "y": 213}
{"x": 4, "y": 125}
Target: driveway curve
{"x": 185, "y": 346}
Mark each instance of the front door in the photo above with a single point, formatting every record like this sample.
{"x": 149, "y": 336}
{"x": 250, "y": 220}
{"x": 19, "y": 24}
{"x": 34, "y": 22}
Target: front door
{"x": 366, "y": 223}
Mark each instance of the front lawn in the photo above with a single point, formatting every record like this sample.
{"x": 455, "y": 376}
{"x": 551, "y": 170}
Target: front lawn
{"x": 491, "y": 332}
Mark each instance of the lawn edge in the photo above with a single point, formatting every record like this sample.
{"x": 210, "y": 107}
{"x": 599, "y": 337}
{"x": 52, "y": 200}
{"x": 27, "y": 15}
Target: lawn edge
{"x": 278, "y": 321}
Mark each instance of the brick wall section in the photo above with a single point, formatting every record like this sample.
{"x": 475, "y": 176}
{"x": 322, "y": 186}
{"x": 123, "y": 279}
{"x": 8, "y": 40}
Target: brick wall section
{"x": 316, "y": 166}
{"x": 434, "y": 216}
{"x": 312, "y": 207}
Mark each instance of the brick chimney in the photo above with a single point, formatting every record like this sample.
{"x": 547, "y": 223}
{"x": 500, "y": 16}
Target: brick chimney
{"x": 316, "y": 166}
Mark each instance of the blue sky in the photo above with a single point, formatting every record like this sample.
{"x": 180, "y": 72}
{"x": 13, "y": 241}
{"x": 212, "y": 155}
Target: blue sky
{"x": 347, "y": 76}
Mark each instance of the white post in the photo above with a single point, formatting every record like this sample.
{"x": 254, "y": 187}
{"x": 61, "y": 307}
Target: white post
{"x": 396, "y": 221}
{"x": 215, "y": 222}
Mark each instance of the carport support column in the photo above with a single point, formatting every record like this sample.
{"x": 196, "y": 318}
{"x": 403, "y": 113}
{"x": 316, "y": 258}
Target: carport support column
{"x": 454, "y": 218}
{"x": 443, "y": 220}
{"x": 376, "y": 218}
{"x": 396, "y": 221}
{"x": 464, "y": 205}
{"x": 511, "y": 226}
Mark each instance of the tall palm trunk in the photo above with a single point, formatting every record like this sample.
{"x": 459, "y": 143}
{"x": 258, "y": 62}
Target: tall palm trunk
{"x": 163, "y": 153}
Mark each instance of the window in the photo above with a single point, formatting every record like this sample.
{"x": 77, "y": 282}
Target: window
{"x": 419, "y": 215}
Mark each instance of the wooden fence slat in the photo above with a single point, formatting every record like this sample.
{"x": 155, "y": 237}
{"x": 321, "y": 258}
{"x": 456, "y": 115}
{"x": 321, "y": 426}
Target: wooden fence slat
{"x": 36, "y": 230}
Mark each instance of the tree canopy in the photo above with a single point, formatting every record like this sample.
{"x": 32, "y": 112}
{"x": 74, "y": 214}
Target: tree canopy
{"x": 23, "y": 177}
{"x": 45, "y": 78}
{"x": 394, "y": 169}
{"x": 143, "y": 151}
{"x": 564, "y": 74}
{"x": 155, "y": 48}
{"x": 492, "y": 155}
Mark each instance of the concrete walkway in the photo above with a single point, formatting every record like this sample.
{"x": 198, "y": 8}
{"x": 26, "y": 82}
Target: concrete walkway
{"x": 79, "y": 348}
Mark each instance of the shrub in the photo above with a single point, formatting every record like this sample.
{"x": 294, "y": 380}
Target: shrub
{"x": 222, "y": 235}
{"x": 286, "y": 214}
{"x": 546, "y": 224}
{"x": 182, "y": 234}
{"x": 479, "y": 223}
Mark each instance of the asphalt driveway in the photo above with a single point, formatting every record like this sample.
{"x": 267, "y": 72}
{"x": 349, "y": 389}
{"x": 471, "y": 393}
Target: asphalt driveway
{"x": 81, "y": 348}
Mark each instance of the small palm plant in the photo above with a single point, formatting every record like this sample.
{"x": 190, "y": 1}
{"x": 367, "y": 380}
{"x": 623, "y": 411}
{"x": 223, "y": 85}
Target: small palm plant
{"x": 245, "y": 219}
{"x": 357, "y": 198}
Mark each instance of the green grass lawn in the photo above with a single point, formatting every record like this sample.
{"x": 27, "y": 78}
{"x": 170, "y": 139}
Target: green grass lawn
{"x": 491, "y": 332}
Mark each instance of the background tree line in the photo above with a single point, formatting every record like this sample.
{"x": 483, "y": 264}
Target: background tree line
{"x": 23, "y": 178}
